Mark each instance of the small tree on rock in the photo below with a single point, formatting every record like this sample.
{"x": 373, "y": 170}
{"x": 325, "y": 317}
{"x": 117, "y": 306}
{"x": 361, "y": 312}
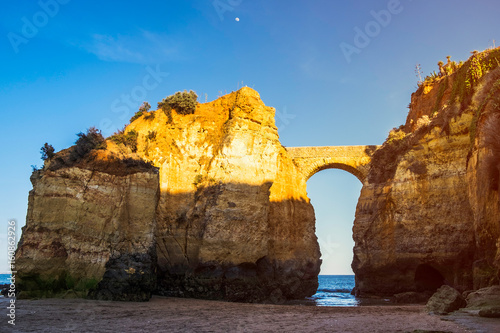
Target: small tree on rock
{"x": 145, "y": 107}
{"x": 47, "y": 151}
{"x": 86, "y": 142}
{"x": 142, "y": 109}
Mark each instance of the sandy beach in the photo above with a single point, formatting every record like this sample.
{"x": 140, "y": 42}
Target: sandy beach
{"x": 163, "y": 314}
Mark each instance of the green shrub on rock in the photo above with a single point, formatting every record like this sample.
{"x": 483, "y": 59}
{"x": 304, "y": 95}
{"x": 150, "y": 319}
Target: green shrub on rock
{"x": 182, "y": 102}
{"x": 143, "y": 109}
{"x": 129, "y": 139}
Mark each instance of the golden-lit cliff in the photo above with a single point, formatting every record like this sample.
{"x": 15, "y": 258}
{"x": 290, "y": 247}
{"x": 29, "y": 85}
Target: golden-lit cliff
{"x": 427, "y": 214}
{"x": 224, "y": 208}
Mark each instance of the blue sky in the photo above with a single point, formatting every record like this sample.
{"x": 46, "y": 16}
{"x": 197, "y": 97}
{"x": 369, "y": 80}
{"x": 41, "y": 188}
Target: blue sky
{"x": 67, "y": 65}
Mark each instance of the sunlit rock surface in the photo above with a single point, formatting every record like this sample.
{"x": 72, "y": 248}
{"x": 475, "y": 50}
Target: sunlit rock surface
{"x": 226, "y": 216}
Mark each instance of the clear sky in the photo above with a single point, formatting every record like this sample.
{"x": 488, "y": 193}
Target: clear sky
{"x": 338, "y": 73}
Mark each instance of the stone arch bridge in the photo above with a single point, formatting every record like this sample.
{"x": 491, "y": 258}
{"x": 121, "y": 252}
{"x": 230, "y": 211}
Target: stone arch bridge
{"x": 353, "y": 159}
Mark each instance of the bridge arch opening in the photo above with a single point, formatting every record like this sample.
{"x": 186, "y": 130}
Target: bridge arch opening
{"x": 341, "y": 166}
{"x": 334, "y": 194}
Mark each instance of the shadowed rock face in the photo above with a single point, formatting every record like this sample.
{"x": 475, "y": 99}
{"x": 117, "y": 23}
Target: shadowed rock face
{"x": 418, "y": 216}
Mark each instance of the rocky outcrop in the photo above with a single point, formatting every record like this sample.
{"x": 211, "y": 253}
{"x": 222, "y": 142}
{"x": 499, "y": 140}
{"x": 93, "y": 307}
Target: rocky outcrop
{"x": 231, "y": 219}
{"x": 486, "y": 301}
{"x": 90, "y": 230}
{"x": 445, "y": 300}
{"x": 234, "y": 221}
{"x": 484, "y": 298}
{"x": 427, "y": 214}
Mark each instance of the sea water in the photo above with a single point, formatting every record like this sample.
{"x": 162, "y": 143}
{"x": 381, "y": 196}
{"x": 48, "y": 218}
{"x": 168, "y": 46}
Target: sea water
{"x": 335, "y": 290}
{"x": 4, "y": 278}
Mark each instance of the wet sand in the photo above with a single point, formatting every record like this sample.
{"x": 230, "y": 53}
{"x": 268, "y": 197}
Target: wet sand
{"x": 163, "y": 314}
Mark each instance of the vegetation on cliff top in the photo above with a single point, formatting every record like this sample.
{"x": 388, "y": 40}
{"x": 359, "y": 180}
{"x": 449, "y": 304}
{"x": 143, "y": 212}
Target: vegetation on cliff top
{"x": 89, "y": 152}
{"x": 128, "y": 139}
{"x": 47, "y": 151}
{"x": 87, "y": 142}
{"x": 466, "y": 75}
{"x": 182, "y": 102}
{"x": 466, "y": 79}
{"x": 143, "y": 110}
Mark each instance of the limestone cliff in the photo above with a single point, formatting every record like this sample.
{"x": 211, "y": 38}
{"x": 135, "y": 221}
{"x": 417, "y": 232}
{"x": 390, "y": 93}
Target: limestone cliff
{"x": 234, "y": 221}
{"x": 483, "y": 175}
{"x": 90, "y": 227}
{"x": 426, "y": 215}
{"x": 231, "y": 219}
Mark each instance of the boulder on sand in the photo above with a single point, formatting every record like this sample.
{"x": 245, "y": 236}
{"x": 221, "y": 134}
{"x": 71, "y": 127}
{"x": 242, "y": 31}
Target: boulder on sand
{"x": 445, "y": 300}
{"x": 486, "y": 300}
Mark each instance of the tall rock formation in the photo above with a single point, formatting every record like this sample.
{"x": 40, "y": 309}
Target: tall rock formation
{"x": 231, "y": 219}
{"x": 426, "y": 215}
{"x": 234, "y": 221}
{"x": 90, "y": 227}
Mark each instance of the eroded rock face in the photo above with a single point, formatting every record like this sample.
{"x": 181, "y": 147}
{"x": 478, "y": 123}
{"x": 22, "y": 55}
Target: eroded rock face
{"x": 418, "y": 219}
{"x": 234, "y": 221}
{"x": 427, "y": 215}
{"x": 86, "y": 229}
{"x": 483, "y": 177}
{"x": 225, "y": 217}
